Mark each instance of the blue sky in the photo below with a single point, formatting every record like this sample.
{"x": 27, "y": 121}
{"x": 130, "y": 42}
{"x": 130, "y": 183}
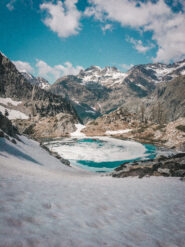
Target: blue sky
{"x": 55, "y": 38}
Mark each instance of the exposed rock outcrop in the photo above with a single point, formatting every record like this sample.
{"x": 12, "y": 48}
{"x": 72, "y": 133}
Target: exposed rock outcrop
{"x": 162, "y": 166}
{"x": 7, "y": 130}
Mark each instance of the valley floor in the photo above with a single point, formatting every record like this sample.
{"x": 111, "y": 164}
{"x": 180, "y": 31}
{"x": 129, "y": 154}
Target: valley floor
{"x": 44, "y": 203}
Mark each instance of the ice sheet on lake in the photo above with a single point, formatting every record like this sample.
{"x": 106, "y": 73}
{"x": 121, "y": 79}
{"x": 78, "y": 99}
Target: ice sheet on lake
{"x": 111, "y": 149}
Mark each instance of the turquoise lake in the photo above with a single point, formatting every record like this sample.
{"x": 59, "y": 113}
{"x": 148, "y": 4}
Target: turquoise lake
{"x": 101, "y": 154}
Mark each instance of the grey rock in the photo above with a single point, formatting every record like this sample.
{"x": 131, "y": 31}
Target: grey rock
{"x": 164, "y": 171}
{"x": 170, "y": 166}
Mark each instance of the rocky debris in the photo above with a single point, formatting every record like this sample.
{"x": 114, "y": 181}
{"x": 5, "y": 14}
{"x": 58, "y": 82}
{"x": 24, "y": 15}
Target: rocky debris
{"x": 56, "y": 155}
{"x": 173, "y": 166}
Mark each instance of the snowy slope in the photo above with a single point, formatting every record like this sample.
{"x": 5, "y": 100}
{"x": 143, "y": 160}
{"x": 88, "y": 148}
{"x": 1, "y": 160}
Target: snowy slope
{"x": 44, "y": 204}
{"x": 166, "y": 72}
{"x": 7, "y": 101}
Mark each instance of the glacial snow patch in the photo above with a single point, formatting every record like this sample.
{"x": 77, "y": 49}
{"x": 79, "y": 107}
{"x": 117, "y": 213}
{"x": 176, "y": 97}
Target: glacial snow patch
{"x": 115, "y": 132}
{"x": 13, "y": 114}
{"x": 78, "y": 132}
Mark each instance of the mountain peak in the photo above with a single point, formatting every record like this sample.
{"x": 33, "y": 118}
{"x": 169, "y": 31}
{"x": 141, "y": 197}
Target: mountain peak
{"x": 39, "y": 81}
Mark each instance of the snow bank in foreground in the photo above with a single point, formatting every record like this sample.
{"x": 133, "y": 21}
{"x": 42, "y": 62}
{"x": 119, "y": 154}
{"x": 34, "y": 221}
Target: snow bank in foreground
{"x": 7, "y": 101}
{"x": 44, "y": 204}
{"x": 78, "y": 133}
{"x": 115, "y": 132}
{"x": 13, "y": 114}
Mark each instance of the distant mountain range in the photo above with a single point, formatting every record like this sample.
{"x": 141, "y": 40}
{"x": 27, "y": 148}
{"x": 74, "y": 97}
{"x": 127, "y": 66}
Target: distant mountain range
{"x": 96, "y": 91}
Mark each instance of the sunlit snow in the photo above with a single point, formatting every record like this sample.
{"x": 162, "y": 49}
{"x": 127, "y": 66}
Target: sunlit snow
{"x": 13, "y": 114}
{"x": 115, "y": 132}
{"x": 6, "y": 101}
{"x": 78, "y": 132}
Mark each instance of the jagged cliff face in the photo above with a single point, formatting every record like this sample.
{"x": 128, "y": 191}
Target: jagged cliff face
{"x": 168, "y": 100}
{"x": 36, "y": 104}
{"x": 96, "y": 91}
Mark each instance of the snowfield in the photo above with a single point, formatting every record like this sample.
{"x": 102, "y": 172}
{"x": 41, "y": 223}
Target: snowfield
{"x": 7, "y": 101}
{"x": 46, "y": 204}
{"x": 13, "y": 114}
{"x": 116, "y": 132}
{"x": 78, "y": 132}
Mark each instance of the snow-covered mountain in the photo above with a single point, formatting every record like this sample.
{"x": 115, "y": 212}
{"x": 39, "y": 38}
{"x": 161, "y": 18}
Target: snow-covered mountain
{"x": 111, "y": 77}
{"x": 165, "y": 72}
{"x": 96, "y": 90}
{"x": 108, "y": 76}
{"x": 39, "y": 81}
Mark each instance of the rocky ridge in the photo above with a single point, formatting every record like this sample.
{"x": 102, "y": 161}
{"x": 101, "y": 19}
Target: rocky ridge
{"x": 6, "y": 127}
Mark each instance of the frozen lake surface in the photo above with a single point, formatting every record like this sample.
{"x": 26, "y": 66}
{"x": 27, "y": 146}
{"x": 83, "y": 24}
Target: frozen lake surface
{"x": 100, "y": 154}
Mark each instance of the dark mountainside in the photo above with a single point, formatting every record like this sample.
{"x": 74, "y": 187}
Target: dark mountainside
{"x": 170, "y": 97}
{"x": 37, "y": 103}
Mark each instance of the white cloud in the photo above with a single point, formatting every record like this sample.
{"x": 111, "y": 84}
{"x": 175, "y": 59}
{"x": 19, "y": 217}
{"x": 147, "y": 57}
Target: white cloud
{"x": 55, "y": 72}
{"x": 167, "y": 27}
{"x": 138, "y": 45}
{"x": 68, "y": 69}
{"x": 96, "y": 12}
{"x": 10, "y": 5}
{"x": 107, "y": 27}
{"x": 23, "y": 66}
{"x": 126, "y": 66}
{"x": 63, "y": 17}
